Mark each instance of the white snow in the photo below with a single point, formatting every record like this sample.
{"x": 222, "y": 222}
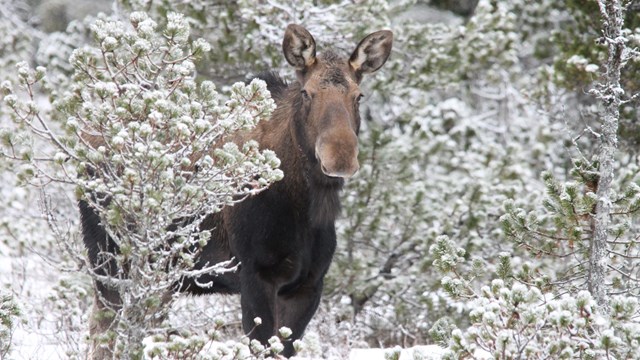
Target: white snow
{"x": 427, "y": 352}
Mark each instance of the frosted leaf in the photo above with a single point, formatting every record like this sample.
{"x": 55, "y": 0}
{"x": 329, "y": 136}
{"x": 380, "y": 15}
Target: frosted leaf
{"x": 277, "y": 347}
{"x": 273, "y": 340}
{"x": 256, "y": 346}
{"x": 136, "y": 17}
{"x": 6, "y": 86}
{"x": 109, "y": 43}
{"x": 106, "y": 89}
{"x": 285, "y": 332}
{"x": 201, "y": 125}
{"x": 146, "y": 28}
{"x": 23, "y": 69}
{"x": 183, "y": 130}
{"x": 140, "y": 147}
{"x": 155, "y": 117}
{"x": 145, "y": 129}
{"x": 177, "y": 27}
{"x": 591, "y": 68}
{"x": 142, "y": 46}
{"x": 186, "y": 68}
{"x": 201, "y": 46}
{"x": 41, "y": 72}
{"x": 497, "y": 284}
{"x": 11, "y": 100}
{"x": 518, "y": 292}
{"x": 59, "y": 158}
{"x": 489, "y": 318}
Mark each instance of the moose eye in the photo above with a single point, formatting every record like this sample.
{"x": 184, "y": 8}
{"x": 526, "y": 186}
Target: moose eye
{"x": 359, "y": 98}
{"x": 305, "y": 94}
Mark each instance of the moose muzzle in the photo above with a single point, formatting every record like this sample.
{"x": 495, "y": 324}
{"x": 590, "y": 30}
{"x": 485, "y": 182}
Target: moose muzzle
{"x": 337, "y": 152}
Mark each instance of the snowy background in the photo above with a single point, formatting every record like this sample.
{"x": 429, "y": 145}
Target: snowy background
{"x": 468, "y": 230}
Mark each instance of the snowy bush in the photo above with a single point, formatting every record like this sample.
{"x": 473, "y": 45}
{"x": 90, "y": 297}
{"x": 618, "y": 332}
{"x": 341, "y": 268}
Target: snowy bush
{"x": 16, "y": 43}
{"x": 583, "y": 238}
{"x": 143, "y": 145}
{"x": 9, "y": 313}
{"x": 590, "y": 222}
{"x": 562, "y": 229}
{"x": 519, "y": 321}
{"x": 478, "y": 151}
{"x": 208, "y": 347}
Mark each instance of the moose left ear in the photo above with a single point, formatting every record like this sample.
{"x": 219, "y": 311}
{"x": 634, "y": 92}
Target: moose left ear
{"x": 299, "y": 47}
{"x": 371, "y": 53}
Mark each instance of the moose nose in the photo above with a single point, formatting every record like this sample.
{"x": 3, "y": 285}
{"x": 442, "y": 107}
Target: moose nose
{"x": 338, "y": 157}
{"x": 341, "y": 174}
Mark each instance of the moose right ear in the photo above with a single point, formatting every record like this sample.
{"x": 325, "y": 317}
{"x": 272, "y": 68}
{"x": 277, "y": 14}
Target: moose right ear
{"x": 371, "y": 53}
{"x": 299, "y": 47}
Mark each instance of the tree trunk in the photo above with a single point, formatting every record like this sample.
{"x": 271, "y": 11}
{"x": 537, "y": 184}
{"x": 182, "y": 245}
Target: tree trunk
{"x": 610, "y": 94}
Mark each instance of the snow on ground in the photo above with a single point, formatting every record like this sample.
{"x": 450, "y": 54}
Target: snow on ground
{"x": 36, "y": 336}
{"x": 428, "y": 352}
{"x": 47, "y": 331}
{"x": 41, "y": 335}
{"x": 28, "y": 280}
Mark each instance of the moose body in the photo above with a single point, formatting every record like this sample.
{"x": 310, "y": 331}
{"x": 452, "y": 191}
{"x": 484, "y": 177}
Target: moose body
{"x": 284, "y": 237}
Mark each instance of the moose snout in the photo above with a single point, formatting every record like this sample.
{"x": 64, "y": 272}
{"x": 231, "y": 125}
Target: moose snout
{"x": 338, "y": 156}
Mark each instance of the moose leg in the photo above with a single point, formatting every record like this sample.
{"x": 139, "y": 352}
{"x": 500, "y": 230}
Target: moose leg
{"x": 299, "y": 300}
{"x": 296, "y": 308}
{"x": 100, "y": 323}
{"x": 291, "y": 308}
{"x": 100, "y": 250}
{"x": 257, "y": 298}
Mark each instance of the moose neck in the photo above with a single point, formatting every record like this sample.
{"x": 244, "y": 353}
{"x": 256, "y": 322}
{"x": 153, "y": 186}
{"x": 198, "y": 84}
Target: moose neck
{"x": 320, "y": 191}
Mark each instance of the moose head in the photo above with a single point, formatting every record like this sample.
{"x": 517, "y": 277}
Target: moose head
{"x": 330, "y": 96}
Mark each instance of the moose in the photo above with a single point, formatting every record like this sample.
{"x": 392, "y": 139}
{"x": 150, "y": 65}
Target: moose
{"x": 284, "y": 238}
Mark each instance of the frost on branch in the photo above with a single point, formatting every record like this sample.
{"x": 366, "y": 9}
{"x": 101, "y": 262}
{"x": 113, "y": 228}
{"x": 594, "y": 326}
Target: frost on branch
{"x": 522, "y": 322}
{"x": 9, "y": 312}
{"x": 144, "y": 144}
{"x": 209, "y": 346}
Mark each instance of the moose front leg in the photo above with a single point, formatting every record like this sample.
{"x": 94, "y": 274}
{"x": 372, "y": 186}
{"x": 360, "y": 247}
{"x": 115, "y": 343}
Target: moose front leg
{"x": 296, "y": 308}
{"x": 277, "y": 306}
{"x": 292, "y": 308}
{"x": 258, "y": 299}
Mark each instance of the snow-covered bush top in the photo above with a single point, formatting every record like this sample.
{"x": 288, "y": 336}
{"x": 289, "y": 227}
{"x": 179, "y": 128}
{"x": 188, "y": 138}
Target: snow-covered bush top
{"x": 147, "y": 147}
{"x": 520, "y": 322}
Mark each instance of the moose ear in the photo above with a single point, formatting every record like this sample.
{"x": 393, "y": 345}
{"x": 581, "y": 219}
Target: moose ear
{"x": 299, "y": 47}
{"x": 371, "y": 53}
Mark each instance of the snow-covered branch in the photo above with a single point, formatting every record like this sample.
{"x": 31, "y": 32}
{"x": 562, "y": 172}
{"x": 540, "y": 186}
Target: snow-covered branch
{"x": 147, "y": 157}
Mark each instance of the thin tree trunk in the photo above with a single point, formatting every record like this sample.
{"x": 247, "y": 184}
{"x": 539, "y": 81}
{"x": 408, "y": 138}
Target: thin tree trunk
{"x": 610, "y": 94}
